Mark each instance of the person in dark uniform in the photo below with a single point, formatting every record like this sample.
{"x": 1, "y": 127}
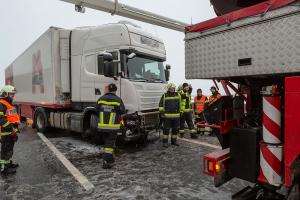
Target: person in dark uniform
{"x": 187, "y": 115}
{"x": 9, "y": 121}
{"x": 170, "y": 109}
{"x": 110, "y": 108}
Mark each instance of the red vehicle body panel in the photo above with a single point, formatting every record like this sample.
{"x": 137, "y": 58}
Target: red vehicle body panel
{"x": 239, "y": 14}
{"x": 27, "y": 108}
{"x": 292, "y": 125}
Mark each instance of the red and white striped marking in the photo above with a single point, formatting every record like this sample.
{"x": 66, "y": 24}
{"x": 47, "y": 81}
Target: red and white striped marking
{"x": 270, "y": 164}
{"x": 272, "y": 119}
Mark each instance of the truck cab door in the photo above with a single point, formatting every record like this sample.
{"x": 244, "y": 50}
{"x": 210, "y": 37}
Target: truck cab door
{"x": 102, "y": 81}
{"x": 88, "y": 74}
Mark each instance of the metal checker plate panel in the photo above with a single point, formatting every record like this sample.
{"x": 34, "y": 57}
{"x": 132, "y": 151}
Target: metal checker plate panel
{"x": 272, "y": 42}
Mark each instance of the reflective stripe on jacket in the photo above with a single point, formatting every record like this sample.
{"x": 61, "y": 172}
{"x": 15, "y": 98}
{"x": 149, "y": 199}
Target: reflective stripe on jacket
{"x": 186, "y": 105}
{"x": 8, "y": 116}
{"x": 214, "y": 98}
{"x": 170, "y": 105}
{"x": 200, "y": 103}
{"x": 11, "y": 112}
{"x": 110, "y": 108}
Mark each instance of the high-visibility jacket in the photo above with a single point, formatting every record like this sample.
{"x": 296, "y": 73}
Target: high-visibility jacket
{"x": 110, "y": 108}
{"x": 8, "y": 117}
{"x": 214, "y": 98}
{"x": 170, "y": 105}
{"x": 199, "y": 103}
{"x": 186, "y": 104}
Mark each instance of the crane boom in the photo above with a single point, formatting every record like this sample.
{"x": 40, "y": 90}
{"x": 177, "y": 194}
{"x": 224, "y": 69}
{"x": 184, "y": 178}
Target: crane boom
{"x": 116, "y": 8}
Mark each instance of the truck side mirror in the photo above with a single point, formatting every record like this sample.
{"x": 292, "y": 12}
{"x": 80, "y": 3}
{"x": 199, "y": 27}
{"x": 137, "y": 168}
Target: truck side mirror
{"x": 106, "y": 56}
{"x": 106, "y": 65}
{"x": 130, "y": 56}
{"x": 167, "y": 72}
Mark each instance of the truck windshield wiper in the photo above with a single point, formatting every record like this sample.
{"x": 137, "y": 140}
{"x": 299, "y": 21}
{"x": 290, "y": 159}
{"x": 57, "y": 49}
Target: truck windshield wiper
{"x": 139, "y": 79}
{"x": 158, "y": 80}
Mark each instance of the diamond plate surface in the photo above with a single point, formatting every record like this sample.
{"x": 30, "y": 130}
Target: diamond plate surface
{"x": 271, "y": 41}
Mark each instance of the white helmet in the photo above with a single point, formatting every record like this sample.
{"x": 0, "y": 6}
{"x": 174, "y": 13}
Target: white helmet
{"x": 8, "y": 89}
{"x": 171, "y": 85}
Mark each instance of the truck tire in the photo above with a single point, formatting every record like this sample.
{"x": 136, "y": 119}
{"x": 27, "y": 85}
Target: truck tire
{"x": 41, "y": 120}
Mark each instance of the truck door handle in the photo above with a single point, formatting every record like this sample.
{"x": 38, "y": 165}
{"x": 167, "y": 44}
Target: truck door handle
{"x": 97, "y": 91}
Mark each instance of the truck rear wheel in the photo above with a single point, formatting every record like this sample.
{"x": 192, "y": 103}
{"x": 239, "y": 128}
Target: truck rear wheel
{"x": 41, "y": 120}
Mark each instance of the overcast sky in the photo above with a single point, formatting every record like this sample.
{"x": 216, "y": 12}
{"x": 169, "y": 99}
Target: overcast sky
{"x": 23, "y": 21}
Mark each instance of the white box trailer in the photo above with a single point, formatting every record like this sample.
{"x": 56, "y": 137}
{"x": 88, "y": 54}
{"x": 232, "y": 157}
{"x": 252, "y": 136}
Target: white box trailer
{"x": 62, "y": 74}
{"x": 262, "y": 44}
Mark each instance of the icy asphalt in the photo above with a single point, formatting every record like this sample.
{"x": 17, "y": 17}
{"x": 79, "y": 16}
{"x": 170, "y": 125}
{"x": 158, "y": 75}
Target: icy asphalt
{"x": 149, "y": 172}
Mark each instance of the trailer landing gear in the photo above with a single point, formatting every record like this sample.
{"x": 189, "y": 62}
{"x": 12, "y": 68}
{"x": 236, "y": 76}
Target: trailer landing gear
{"x": 258, "y": 192}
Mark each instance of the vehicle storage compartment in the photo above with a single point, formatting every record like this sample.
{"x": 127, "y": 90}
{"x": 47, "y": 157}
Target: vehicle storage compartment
{"x": 264, "y": 44}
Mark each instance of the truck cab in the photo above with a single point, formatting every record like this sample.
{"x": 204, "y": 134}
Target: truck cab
{"x": 64, "y": 72}
{"x": 137, "y": 69}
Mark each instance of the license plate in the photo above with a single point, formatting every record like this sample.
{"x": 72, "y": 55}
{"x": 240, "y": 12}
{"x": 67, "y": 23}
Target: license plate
{"x": 119, "y": 133}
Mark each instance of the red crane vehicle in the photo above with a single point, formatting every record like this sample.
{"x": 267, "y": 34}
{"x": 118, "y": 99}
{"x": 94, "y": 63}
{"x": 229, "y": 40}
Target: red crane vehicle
{"x": 258, "y": 49}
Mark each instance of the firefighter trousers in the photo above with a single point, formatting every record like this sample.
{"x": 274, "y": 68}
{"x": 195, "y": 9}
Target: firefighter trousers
{"x": 188, "y": 118}
{"x": 110, "y": 138}
{"x": 7, "y": 150}
{"x": 171, "y": 123}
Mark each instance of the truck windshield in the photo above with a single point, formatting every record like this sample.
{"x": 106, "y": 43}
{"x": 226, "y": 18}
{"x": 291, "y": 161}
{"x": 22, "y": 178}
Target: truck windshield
{"x": 145, "y": 68}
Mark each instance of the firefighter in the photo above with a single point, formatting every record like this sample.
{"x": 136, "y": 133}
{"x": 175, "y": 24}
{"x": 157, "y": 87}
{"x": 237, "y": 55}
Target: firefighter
{"x": 200, "y": 102}
{"x": 187, "y": 109}
{"x": 9, "y": 121}
{"x": 215, "y": 95}
{"x": 170, "y": 108}
{"x": 110, "y": 108}
{"x": 179, "y": 89}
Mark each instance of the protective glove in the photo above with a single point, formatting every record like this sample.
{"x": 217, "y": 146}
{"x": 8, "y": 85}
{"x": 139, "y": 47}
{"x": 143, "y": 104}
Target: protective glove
{"x": 16, "y": 129}
{"x": 161, "y": 115}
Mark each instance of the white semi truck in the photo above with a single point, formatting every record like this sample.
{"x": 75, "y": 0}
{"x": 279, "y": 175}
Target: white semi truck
{"x": 62, "y": 74}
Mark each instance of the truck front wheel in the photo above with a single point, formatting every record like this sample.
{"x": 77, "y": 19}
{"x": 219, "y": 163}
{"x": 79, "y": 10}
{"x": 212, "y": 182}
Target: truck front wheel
{"x": 40, "y": 120}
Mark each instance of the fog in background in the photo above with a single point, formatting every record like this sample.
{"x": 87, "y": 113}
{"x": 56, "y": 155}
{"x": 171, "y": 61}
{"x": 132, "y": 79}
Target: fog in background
{"x": 22, "y": 22}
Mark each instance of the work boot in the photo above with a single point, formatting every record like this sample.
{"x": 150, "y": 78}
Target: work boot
{"x": 174, "y": 144}
{"x": 165, "y": 145}
{"x": 107, "y": 165}
{"x": 194, "y": 136}
{"x": 7, "y": 171}
{"x": 13, "y": 165}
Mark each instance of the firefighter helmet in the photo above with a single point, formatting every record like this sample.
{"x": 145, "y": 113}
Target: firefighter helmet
{"x": 171, "y": 85}
{"x": 179, "y": 88}
{"x": 8, "y": 89}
